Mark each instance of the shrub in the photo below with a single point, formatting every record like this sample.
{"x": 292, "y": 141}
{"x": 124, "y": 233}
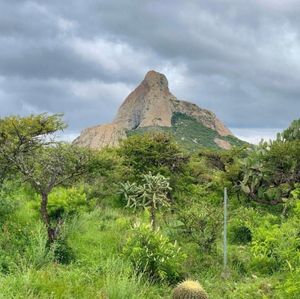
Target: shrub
{"x": 63, "y": 253}
{"x": 290, "y": 286}
{"x": 239, "y": 232}
{"x": 153, "y": 253}
{"x": 189, "y": 289}
{"x": 8, "y": 202}
{"x": 7, "y": 207}
{"x": 276, "y": 247}
{"x": 201, "y": 223}
{"x": 66, "y": 201}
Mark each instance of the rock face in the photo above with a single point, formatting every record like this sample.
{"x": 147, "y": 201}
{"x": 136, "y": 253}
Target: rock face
{"x": 151, "y": 104}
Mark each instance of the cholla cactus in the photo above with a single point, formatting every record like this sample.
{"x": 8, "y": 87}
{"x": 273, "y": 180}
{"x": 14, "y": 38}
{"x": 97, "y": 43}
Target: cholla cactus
{"x": 152, "y": 194}
{"x": 189, "y": 289}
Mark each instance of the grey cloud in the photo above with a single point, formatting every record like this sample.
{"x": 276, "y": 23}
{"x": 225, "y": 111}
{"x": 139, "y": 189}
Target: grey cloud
{"x": 239, "y": 59}
{"x": 23, "y": 97}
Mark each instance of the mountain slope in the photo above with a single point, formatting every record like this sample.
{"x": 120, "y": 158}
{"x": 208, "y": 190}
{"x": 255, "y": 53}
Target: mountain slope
{"x": 151, "y": 106}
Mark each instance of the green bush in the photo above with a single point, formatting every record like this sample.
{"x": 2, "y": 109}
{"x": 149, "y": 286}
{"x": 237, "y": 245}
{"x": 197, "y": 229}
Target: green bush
{"x": 275, "y": 247}
{"x": 8, "y": 201}
{"x": 290, "y": 287}
{"x": 153, "y": 253}
{"x": 22, "y": 246}
{"x": 63, "y": 253}
{"x": 239, "y": 232}
{"x": 201, "y": 223}
{"x": 65, "y": 201}
{"x": 7, "y": 207}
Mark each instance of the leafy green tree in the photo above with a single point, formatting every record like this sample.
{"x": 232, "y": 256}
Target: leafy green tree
{"x": 105, "y": 174}
{"x": 50, "y": 167}
{"x": 28, "y": 146}
{"x": 22, "y": 135}
{"x": 151, "y": 194}
{"x": 156, "y": 152}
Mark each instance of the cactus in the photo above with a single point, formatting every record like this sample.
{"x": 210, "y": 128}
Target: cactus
{"x": 189, "y": 289}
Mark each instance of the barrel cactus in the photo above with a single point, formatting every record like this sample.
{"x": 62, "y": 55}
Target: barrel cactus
{"x": 189, "y": 289}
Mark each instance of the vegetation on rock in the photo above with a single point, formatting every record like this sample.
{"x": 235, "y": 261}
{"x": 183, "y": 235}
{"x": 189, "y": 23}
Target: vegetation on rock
{"x": 190, "y": 134}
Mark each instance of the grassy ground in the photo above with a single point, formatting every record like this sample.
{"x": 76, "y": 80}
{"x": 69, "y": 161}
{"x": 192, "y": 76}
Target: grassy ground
{"x": 99, "y": 269}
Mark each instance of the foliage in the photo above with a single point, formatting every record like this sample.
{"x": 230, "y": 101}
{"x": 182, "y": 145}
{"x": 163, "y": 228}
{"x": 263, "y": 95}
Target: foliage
{"x": 189, "y": 289}
{"x": 49, "y": 167}
{"x": 290, "y": 288}
{"x": 22, "y": 135}
{"x": 200, "y": 222}
{"x": 153, "y": 254}
{"x": 292, "y": 132}
{"x": 66, "y": 201}
{"x": 271, "y": 171}
{"x": 154, "y": 152}
{"x": 240, "y": 234}
{"x": 96, "y": 254}
{"x": 105, "y": 173}
{"x": 62, "y": 251}
{"x": 276, "y": 247}
{"x": 7, "y": 206}
{"x": 189, "y": 133}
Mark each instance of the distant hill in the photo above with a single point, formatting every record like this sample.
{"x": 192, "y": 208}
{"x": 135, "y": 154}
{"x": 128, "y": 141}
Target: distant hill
{"x": 151, "y": 106}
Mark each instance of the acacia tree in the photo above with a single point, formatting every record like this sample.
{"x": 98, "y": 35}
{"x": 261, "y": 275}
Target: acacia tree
{"x": 23, "y": 135}
{"x": 49, "y": 167}
{"x": 151, "y": 194}
{"x": 27, "y": 145}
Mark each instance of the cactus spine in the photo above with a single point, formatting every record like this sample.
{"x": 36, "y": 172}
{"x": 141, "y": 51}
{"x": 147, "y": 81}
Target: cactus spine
{"x": 189, "y": 289}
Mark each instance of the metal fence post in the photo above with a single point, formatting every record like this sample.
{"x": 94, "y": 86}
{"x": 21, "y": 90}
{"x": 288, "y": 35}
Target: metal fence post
{"x": 225, "y": 229}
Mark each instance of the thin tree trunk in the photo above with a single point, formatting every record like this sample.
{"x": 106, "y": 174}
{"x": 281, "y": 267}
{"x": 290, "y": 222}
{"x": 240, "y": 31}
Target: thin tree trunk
{"x": 153, "y": 216}
{"x": 46, "y": 218}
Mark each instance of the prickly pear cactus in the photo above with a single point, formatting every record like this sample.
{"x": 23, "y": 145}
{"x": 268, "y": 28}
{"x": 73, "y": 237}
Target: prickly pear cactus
{"x": 189, "y": 289}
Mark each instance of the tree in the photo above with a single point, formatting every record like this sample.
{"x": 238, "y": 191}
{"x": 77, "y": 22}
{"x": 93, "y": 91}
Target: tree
{"x": 155, "y": 152}
{"x": 200, "y": 218}
{"x": 28, "y": 146}
{"x": 22, "y": 135}
{"x": 49, "y": 167}
{"x": 152, "y": 194}
{"x": 271, "y": 171}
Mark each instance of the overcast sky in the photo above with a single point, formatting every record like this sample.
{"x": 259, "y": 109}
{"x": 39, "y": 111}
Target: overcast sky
{"x": 238, "y": 58}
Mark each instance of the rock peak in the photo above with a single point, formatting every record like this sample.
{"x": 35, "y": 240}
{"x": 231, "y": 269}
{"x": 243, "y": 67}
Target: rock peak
{"x": 156, "y": 79}
{"x": 150, "y": 105}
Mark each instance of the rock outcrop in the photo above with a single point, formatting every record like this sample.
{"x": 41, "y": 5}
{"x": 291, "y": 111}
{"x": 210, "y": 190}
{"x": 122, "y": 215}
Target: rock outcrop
{"x": 151, "y": 104}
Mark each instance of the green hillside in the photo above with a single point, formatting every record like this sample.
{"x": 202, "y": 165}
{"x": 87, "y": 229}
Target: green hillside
{"x": 190, "y": 134}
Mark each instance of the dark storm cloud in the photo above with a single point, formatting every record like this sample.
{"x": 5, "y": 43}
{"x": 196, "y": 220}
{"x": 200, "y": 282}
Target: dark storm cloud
{"x": 237, "y": 58}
